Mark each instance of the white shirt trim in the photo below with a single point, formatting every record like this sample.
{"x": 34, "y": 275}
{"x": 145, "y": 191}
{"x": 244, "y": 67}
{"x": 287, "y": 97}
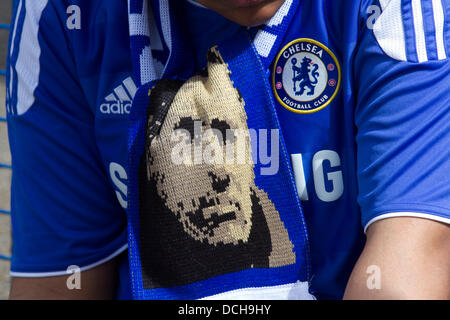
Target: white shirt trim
{"x": 291, "y": 291}
{"x": 407, "y": 214}
{"x": 64, "y": 273}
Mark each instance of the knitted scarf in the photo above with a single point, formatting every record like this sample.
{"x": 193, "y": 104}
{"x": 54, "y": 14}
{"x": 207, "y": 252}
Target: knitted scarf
{"x": 213, "y": 209}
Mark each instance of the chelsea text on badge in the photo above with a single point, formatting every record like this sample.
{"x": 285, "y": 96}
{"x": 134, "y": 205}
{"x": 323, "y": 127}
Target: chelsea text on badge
{"x": 306, "y": 76}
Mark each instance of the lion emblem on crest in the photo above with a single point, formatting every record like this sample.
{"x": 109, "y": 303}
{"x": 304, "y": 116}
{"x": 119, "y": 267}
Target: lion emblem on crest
{"x": 302, "y": 76}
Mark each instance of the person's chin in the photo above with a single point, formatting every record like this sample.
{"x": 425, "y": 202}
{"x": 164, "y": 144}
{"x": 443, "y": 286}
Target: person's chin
{"x": 251, "y": 15}
{"x": 259, "y": 14}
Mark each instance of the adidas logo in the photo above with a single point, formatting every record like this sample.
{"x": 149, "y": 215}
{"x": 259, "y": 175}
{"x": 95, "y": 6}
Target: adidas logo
{"x": 119, "y": 102}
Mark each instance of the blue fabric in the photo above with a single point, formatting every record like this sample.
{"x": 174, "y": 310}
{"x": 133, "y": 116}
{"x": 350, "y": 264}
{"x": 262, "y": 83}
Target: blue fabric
{"x": 65, "y": 210}
{"x": 205, "y": 28}
{"x": 388, "y": 127}
{"x": 356, "y": 167}
{"x": 429, "y": 29}
{"x": 403, "y": 134}
{"x": 410, "y": 36}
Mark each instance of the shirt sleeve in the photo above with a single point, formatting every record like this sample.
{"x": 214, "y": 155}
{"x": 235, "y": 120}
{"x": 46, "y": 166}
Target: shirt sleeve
{"x": 402, "y": 76}
{"x": 64, "y": 210}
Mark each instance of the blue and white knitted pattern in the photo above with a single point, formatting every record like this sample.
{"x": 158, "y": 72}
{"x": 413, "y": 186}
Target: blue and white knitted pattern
{"x": 153, "y": 36}
{"x": 139, "y": 24}
{"x": 269, "y": 37}
{"x": 165, "y": 253}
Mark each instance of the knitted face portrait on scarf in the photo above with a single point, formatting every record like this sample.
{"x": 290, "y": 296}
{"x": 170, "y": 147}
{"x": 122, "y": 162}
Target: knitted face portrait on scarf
{"x": 209, "y": 193}
{"x": 200, "y": 176}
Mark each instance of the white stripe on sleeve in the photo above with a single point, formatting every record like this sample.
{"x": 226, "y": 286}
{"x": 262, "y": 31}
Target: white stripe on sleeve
{"x": 28, "y": 65}
{"x": 421, "y": 46}
{"x": 11, "y": 71}
{"x": 389, "y": 31}
{"x": 384, "y": 3}
{"x": 438, "y": 13}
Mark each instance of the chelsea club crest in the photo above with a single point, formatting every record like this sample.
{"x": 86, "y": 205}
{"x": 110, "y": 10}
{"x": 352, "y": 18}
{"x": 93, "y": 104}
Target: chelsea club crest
{"x": 306, "y": 76}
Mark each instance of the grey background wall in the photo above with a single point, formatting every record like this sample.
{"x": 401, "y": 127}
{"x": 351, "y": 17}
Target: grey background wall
{"x": 5, "y": 174}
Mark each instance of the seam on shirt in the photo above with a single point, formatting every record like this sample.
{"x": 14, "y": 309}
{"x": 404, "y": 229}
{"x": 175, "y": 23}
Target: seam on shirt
{"x": 63, "y": 273}
{"x": 429, "y": 216}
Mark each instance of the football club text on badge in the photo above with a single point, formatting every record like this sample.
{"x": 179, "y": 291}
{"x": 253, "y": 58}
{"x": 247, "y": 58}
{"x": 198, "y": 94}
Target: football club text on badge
{"x": 306, "y": 76}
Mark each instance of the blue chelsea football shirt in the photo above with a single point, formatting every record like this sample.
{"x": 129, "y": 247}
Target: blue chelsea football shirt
{"x": 363, "y": 101}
